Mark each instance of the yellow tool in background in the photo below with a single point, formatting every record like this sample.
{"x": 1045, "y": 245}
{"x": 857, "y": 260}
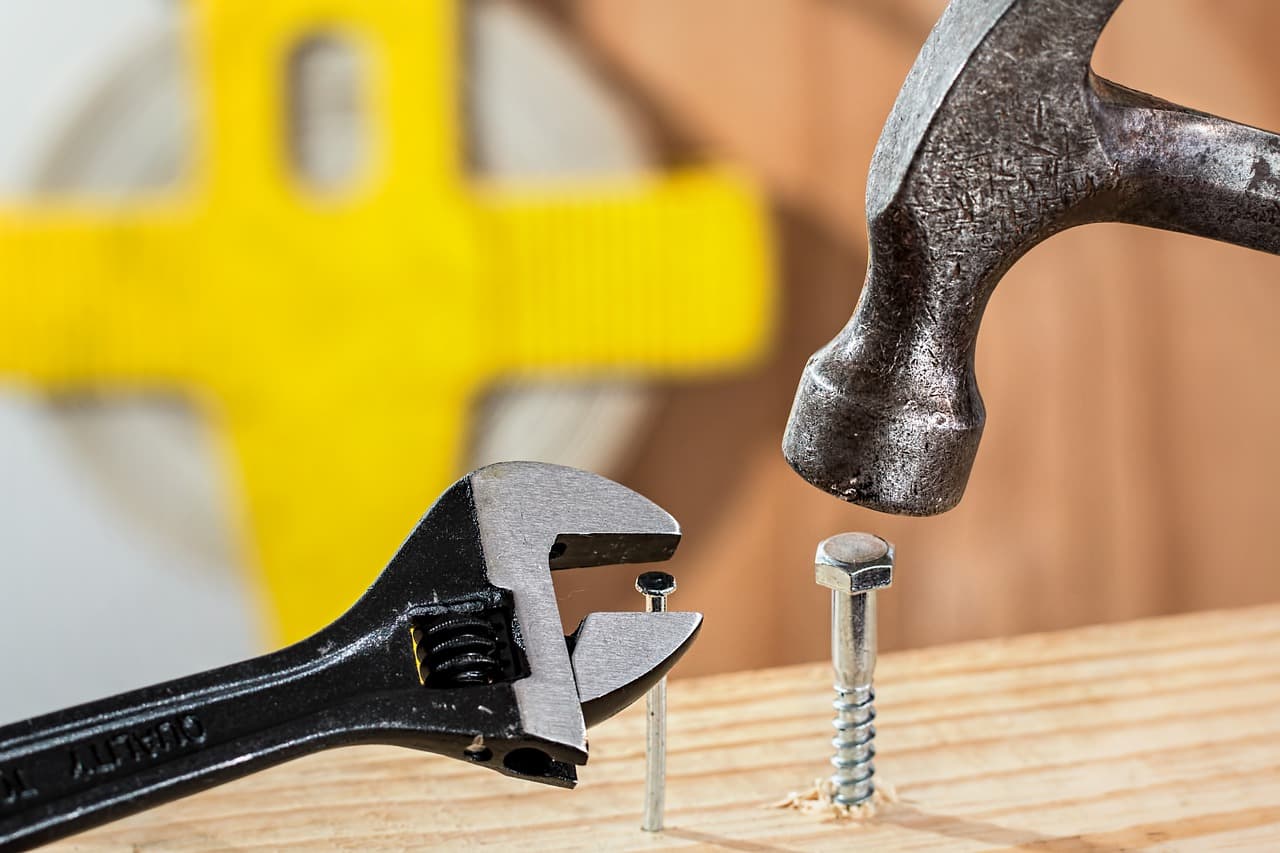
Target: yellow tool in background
{"x": 342, "y": 338}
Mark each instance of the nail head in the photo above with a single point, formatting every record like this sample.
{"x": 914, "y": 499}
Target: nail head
{"x": 656, "y": 583}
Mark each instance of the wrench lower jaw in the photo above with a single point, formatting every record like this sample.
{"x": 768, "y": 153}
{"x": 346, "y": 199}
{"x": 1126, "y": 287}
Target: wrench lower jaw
{"x": 618, "y": 657}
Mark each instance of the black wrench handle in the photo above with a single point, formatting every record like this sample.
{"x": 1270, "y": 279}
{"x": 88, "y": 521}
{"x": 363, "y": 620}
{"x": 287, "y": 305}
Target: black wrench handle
{"x": 83, "y": 766}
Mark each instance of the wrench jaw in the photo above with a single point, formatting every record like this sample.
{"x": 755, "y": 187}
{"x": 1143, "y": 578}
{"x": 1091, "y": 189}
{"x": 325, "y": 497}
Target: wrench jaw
{"x": 533, "y": 516}
{"x": 489, "y": 665}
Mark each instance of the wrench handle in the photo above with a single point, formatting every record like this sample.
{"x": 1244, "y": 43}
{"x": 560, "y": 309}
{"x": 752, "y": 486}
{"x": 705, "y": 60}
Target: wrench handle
{"x": 83, "y": 766}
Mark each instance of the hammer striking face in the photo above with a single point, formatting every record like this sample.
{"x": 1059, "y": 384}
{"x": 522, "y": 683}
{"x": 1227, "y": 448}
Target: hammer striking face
{"x": 1001, "y": 137}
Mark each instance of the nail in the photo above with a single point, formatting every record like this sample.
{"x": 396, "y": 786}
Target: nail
{"x": 655, "y": 586}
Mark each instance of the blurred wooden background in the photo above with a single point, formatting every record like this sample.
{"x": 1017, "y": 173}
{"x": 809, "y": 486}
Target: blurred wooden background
{"x": 1129, "y": 459}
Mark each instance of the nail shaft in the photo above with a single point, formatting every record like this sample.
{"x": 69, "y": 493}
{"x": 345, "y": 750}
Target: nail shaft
{"x": 655, "y": 586}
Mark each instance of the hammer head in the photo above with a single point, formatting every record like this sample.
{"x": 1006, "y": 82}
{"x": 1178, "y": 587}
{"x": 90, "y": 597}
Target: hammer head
{"x": 991, "y": 147}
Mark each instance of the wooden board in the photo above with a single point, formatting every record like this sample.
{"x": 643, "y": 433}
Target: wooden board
{"x": 1161, "y": 733}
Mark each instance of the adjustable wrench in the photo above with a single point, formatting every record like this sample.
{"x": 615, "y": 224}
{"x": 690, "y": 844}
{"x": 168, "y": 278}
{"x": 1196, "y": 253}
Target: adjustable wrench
{"x": 456, "y": 649}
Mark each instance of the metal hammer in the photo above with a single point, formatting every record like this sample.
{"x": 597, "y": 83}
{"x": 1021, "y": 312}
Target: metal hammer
{"x": 1001, "y": 137}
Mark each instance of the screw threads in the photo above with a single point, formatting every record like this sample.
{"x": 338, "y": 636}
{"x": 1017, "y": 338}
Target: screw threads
{"x": 854, "y": 742}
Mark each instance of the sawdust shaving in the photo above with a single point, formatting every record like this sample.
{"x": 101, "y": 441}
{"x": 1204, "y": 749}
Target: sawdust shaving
{"x": 817, "y": 801}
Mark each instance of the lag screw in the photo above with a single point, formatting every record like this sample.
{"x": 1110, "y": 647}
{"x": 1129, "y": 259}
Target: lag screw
{"x": 853, "y": 566}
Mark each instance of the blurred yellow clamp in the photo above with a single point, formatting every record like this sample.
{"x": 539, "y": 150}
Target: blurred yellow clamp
{"x": 339, "y": 341}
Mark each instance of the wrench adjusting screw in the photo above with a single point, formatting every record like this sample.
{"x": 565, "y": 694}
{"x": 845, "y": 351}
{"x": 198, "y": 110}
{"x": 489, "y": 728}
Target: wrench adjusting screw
{"x": 655, "y": 586}
{"x": 853, "y": 566}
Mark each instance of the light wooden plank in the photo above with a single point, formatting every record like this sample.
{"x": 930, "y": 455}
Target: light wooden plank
{"x": 1158, "y": 733}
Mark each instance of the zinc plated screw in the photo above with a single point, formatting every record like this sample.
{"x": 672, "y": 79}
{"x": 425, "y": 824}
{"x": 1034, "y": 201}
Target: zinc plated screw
{"x": 854, "y": 566}
{"x": 655, "y": 586}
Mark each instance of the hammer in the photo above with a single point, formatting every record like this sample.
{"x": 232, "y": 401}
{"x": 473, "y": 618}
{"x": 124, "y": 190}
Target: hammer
{"x": 1001, "y": 136}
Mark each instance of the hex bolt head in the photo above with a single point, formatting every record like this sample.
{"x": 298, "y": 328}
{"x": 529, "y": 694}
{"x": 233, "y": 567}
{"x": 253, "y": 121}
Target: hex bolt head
{"x": 854, "y": 562}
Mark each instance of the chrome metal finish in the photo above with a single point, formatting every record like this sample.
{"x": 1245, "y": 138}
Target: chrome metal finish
{"x": 655, "y": 586}
{"x": 853, "y": 566}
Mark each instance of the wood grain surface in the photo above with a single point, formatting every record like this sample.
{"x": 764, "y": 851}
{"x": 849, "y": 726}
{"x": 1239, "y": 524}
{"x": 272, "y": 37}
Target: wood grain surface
{"x": 1129, "y": 461}
{"x": 1158, "y": 734}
